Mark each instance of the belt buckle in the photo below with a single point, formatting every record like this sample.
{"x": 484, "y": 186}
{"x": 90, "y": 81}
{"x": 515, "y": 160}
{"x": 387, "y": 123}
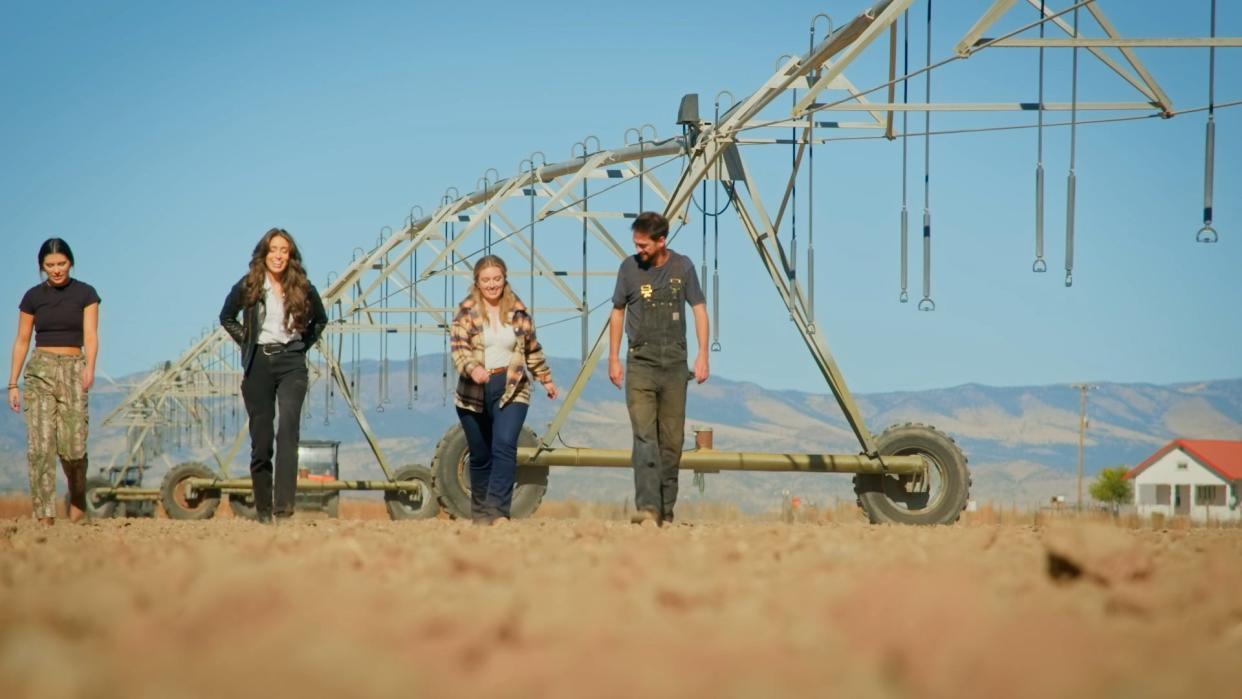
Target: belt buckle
{"x": 267, "y": 349}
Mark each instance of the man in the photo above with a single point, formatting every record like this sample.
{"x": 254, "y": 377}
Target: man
{"x": 653, "y": 288}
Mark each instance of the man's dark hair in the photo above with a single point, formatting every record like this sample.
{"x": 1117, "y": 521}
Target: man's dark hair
{"x": 651, "y": 224}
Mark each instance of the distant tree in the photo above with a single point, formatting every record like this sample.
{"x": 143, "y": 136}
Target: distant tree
{"x": 1112, "y": 488}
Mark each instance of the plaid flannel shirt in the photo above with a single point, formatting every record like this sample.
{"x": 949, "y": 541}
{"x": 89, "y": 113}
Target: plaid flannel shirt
{"x": 467, "y": 349}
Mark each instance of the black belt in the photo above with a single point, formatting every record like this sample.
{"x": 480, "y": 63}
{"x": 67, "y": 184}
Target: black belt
{"x": 281, "y": 347}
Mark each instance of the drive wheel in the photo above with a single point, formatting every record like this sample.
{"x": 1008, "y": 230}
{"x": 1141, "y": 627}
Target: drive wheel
{"x": 175, "y": 494}
{"x": 99, "y": 506}
{"x": 242, "y": 505}
{"x": 404, "y": 504}
{"x": 937, "y": 496}
{"x": 451, "y": 473}
{"x": 332, "y": 503}
{"x": 136, "y": 508}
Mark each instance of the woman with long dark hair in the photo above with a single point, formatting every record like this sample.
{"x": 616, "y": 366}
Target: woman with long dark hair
{"x": 63, "y": 314}
{"x": 493, "y": 347}
{"x": 282, "y": 317}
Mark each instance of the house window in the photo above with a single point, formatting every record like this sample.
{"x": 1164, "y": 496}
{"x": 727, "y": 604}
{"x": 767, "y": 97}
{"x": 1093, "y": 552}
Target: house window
{"x": 1182, "y": 465}
{"x": 1209, "y": 495}
{"x": 1163, "y": 494}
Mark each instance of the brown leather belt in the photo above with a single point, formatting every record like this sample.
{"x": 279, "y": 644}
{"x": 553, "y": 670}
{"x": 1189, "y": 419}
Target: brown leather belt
{"x": 498, "y": 370}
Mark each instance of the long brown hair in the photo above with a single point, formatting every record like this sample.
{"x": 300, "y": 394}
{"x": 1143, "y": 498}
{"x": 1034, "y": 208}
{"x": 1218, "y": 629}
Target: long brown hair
{"x": 294, "y": 283}
{"x": 508, "y": 299}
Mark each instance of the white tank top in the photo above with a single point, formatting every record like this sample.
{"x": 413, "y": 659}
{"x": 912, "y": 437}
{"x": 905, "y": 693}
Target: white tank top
{"x": 498, "y": 344}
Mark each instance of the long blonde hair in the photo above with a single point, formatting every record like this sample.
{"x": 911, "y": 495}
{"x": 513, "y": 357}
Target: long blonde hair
{"x": 508, "y": 299}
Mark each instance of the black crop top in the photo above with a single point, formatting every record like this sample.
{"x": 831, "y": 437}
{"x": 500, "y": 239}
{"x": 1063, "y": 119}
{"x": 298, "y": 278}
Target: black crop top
{"x": 57, "y": 312}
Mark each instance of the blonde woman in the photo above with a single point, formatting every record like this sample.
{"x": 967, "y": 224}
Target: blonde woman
{"x": 63, "y": 314}
{"x": 493, "y": 347}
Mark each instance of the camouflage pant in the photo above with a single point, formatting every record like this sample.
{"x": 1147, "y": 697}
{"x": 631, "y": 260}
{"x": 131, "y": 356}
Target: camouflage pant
{"x": 56, "y": 424}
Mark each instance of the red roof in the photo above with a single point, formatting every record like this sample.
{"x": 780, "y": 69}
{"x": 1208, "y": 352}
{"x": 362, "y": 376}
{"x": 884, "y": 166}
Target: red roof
{"x": 1222, "y": 456}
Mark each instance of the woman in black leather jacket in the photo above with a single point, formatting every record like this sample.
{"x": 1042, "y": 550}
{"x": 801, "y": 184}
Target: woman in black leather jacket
{"x": 282, "y": 317}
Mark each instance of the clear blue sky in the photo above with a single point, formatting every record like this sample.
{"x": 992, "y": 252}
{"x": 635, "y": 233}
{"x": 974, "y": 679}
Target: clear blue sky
{"x": 161, "y": 139}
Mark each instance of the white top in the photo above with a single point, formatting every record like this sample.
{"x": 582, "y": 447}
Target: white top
{"x": 273, "y": 330}
{"x": 498, "y": 344}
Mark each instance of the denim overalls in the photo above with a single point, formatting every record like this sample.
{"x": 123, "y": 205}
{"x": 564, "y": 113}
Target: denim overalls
{"x": 655, "y": 394}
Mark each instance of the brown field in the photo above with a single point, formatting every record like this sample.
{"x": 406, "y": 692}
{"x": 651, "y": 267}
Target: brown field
{"x": 577, "y": 603}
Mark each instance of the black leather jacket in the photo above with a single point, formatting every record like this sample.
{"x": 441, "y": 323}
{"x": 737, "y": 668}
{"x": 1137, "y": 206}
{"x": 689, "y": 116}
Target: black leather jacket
{"x": 246, "y": 332}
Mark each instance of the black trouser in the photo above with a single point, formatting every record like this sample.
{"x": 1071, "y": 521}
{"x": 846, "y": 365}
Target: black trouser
{"x": 275, "y": 379}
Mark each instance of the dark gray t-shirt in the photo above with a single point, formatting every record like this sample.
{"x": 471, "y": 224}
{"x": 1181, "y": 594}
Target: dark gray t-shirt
{"x": 678, "y": 272}
{"x": 57, "y": 312}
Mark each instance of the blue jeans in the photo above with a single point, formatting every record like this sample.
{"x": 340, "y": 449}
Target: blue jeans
{"x": 492, "y": 437}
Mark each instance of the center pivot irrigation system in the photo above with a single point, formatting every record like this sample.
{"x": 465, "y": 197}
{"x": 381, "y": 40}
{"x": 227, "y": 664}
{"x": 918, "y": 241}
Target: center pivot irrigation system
{"x": 563, "y": 224}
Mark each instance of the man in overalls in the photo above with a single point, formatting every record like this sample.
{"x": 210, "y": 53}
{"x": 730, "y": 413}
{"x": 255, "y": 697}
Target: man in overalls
{"x": 653, "y": 288}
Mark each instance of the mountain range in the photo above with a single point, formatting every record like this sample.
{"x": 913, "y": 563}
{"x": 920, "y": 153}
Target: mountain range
{"x": 1022, "y": 442}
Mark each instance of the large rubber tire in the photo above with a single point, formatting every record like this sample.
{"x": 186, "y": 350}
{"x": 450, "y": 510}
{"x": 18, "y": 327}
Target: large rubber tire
{"x": 937, "y": 498}
{"x": 136, "y": 508}
{"x": 402, "y": 504}
{"x": 173, "y": 493}
{"x": 332, "y": 504}
{"x": 451, "y": 476}
{"x": 242, "y": 505}
{"x": 144, "y": 509}
{"x": 104, "y": 507}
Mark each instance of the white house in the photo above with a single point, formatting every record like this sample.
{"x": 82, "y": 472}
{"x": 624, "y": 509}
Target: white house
{"x": 1196, "y": 478}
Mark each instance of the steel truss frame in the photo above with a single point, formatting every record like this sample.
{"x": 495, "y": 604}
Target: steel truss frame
{"x": 508, "y": 213}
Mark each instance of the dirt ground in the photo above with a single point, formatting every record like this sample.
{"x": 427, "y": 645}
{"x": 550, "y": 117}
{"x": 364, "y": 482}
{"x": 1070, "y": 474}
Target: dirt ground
{"x": 576, "y": 604}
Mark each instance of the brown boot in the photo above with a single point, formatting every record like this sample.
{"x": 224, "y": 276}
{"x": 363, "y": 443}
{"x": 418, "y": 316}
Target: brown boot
{"x": 75, "y": 476}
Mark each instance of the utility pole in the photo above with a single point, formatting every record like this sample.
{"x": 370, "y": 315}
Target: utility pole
{"x": 1083, "y": 388}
